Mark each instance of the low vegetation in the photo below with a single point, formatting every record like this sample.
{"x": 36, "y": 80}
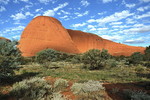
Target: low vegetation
{"x": 86, "y": 71}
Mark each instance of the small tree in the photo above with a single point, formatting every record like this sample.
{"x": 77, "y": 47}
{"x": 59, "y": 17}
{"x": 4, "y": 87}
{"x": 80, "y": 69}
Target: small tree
{"x": 47, "y": 55}
{"x": 50, "y": 55}
{"x": 10, "y": 58}
{"x": 94, "y": 59}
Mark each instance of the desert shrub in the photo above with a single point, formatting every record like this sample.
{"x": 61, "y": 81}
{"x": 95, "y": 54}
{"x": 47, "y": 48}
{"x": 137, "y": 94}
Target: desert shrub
{"x": 147, "y": 64}
{"x": 10, "y": 58}
{"x": 60, "y": 84}
{"x": 32, "y": 89}
{"x": 139, "y": 68}
{"x": 147, "y": 54}
{"x": 58, "y": 96}
{"x": 58, "y": 64}
{"x": 47, "y": 56}
{"x": 93, "y": 96}
{"x": 105, "y": 54}
{"x": 94, "y": 59}
{"x": 136, "y": 58}
{"x": 50, "y": 55}
{"x": 77, "y": 58}
{"x": 86, "y": 87}
{"x": 136, "y": 95}
{"x": 112, "y": 63}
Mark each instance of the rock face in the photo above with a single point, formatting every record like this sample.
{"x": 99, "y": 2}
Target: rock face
{"x": 87, "y": 41}
{"x": 2, "y": 38}
{"x": 47, "y": 32}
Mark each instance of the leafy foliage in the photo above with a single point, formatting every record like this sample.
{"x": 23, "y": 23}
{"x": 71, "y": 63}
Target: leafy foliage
{"x": 32, "y": 89}
{"x": 86, "y": 87}
{"x": 95, "y": 59}
{"x": 147, "y": 53}
{"x": 60, "y": 84}
{"x": 136, "y": 95}
{"x": 136, "y": 58}
{"x": 50, "y": 55}
{"x": 10, "y": 58}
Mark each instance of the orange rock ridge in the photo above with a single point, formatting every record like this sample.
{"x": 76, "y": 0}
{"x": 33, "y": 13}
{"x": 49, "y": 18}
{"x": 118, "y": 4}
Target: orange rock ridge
{"x": 47, "y": 32}
{"x": 4, "y": 38}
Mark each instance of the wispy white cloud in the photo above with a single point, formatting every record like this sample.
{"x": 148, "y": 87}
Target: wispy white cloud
{"x": 106, "y": 1}
{"x": 60, "y": 6}
{"x": 145, "y": 0}
{"x": 4, "y": 1}
{"x": 114, "y": 17}
{"x": 81, "y": 14}
{"x": 20, "y": 16}
{"x": 113, "y": 37}
{"x": 52, "y": 12}
{"x": 115, "y": 23}
{"x": 49, "y": 13}
{"x": 134, "y": 41}
{"x": 143, "y": 8}
{"x": 130, "y": 21}
{"x": 16, "y": 37}
{"x": 13, "y": 29}
{"x": 78, "y": 25}
{"x": 142, "y": 29}
{"x": 2, "y": 8}
{"x": 130, "y": 5}
{"x": 84, "y": 3}
{"x": 17, "y": 1}
{"x": 37, "y": 10}
{"x": 47, "y": 1}
{"x": 65, "y": 12}
{"x": 44, "y": 1}
{"x": 64, "y": 17}
{"x": 102, "y": 13}
{"x": 143, "y": 16}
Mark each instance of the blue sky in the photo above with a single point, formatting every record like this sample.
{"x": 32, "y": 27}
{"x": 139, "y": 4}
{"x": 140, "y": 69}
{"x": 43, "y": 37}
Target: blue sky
{"x": 122, "y": 21}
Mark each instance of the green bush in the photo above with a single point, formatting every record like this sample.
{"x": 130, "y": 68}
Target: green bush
{"x": 10, "y": 58}
{"x": 76, "y": 58}
{"x": 136, "y": 95}
{"x": 140, "y": 68}
{"x": 147, "y": 53}
{"x": 50, "y": 55}
{"x": 136, "y": 58}
{"x": 95, "y": 59}
{"x": 47, "y": 56}
{"x": 86, "y": 87}
{"x": 112, "y": 63}
{"x": 32, "y": 89}
{"x": 60, "y": 84}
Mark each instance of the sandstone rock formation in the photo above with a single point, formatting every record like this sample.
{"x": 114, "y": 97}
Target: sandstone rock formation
{"x": 47, "y": 32}
{"x": 4, "y": 38}
{"x": 87, "y": 41}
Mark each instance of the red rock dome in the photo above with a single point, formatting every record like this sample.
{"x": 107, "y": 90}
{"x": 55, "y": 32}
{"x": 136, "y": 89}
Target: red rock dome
{"x": 47, "y": 32}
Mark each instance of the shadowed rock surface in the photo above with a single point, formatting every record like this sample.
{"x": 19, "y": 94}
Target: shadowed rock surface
{"x": 47, "y": 32}
{"x": 87, "y": 41}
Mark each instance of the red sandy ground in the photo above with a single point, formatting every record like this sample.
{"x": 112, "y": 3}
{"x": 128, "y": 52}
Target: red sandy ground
{"x": 47, "y": 32}
{"x": 108, "y": 86}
